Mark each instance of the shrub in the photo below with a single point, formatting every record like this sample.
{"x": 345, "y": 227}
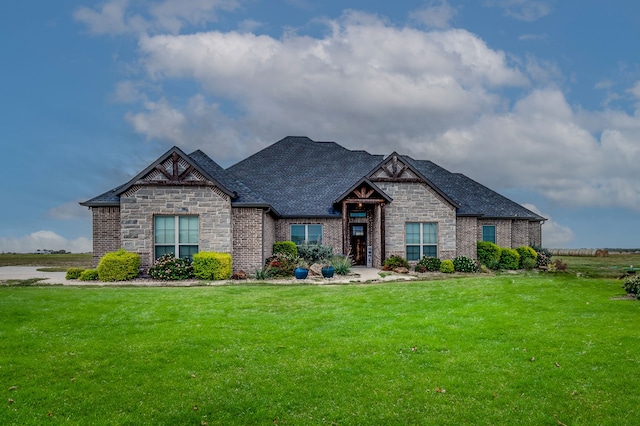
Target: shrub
{"x": 341, "y": 264}
{"x": 465, "y": 264}
{"x": 509, "y": 259}
{"x": 314, "y": 253}
{"x": 394, "y": 262}
{"x": 488, "y": 254}
{"x": 118, "y": 266}
{"x": 73, "y": 273}
{"x": 168, "y": 267}
{"x": 526, "y": 253}
{"x": 428, "y": 264}
{"x": 287, "y": 247}
{"x": 632, "y": 285}
{"x": 89, "y": 275}
{"x": 280, "y": 265}
{"x": 544, "y": 256}
{"x": 447, "y": 267}
{"x": 528, "y": 264}
{"x": 209, "y": 265}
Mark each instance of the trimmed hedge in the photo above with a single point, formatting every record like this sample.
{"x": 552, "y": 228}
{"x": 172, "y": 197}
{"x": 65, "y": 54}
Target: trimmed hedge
{"x": 488, "y": 254}
{"x": 73, "y": 273}
{"x": 118, "y": 266}
{"x": 509, "y": 259}
{"x": 528, "y": 257}
{"x": 89, "y": 275}
{"x": 209, "y": 265}
{"x": 447, "y": 267}
{"x": 286, "y": 247}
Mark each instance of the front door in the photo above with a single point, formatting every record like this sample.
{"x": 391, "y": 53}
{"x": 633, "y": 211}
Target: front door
{"x": 359, "y": 243}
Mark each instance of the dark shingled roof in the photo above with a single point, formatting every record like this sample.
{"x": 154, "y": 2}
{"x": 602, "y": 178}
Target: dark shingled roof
{"x": 472, "y": 198}
{"x": 299, "y": 177}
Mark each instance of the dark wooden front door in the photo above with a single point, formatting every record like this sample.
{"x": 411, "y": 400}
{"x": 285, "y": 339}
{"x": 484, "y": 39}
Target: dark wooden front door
{"x": 359, "y": 243}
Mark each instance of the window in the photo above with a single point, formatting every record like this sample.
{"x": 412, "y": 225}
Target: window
{"x": 312, "y": 234}
{"x": 421, "y": 240}
{"x": 183, "y": 243}
{"x": 489, "y": 233}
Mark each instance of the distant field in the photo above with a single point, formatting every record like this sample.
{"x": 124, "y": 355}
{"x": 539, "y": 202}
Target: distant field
{"x": 50, "y": 260}
{"x": 612, "y": 266}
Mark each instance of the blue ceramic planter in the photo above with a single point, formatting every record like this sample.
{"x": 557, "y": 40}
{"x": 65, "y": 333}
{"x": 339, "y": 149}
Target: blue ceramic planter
{"x": 301, "y": 273}
{"x": 328, "y": 271}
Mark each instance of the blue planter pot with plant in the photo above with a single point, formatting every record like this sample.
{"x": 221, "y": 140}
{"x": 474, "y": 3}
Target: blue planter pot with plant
{"x": 328, "y": 271}
{"x": 301, "y": 273}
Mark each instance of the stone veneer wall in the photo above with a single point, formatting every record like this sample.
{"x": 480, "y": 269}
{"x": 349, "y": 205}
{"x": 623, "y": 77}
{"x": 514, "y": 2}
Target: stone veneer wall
{"x": 416, "y": 202}
{"x": 247, "y": 239}
{"x": 106, "y": 231}
{"x": 331, "y": 230}
{"x": 467, "y": 236}
{"x": 140, "y": 204}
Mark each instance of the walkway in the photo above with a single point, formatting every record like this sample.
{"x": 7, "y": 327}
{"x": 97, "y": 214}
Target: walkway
{"x": 358, "y": 274}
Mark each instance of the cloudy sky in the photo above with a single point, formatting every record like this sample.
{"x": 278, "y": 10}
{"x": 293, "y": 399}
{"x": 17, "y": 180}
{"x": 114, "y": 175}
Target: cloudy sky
{"x": 537, "y": 99}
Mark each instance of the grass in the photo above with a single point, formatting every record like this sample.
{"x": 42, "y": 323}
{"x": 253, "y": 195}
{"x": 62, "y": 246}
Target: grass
{"x": 612, "y": 266}
{"x": 523, "y": 349}
{"x": 57, "y": 261}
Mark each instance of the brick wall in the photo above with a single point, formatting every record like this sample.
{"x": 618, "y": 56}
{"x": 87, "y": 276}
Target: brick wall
{"x": 247, "y": 239}
{"x": 139, "y": 205}
{"x": 519, "y": 233}
{"x": 467, "y": 236}
{"x": 269, "y": 232}
{"x": 535, "y": 233}
{"x": 416, "y": 202}
{"x": 106, "y": 231}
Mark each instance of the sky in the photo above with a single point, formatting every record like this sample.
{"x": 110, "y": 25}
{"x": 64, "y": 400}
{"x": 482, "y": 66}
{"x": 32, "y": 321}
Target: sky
{"x": 536, "y": 99}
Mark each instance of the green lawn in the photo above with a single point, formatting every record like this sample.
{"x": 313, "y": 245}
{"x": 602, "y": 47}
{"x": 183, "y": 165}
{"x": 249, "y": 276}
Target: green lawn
{"x": 544, "y": 349}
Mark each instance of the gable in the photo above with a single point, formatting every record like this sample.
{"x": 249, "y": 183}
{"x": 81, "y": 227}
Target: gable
{"x": 395, "y": 168}
{"x": 174, "y": 168}
{"x": 364, "y": 190}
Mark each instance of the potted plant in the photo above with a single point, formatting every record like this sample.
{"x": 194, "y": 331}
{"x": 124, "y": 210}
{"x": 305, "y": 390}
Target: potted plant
{"x": 327, "y": 269}
{"x": 302, "y": 270}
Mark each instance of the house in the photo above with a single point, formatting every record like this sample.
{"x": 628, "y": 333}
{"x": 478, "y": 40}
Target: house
{"x": 370, "y": 206}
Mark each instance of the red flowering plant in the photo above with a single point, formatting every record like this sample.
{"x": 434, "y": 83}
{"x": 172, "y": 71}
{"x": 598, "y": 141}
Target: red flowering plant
{"x": 170, "y": 268}
{"x": 280, "y": 265}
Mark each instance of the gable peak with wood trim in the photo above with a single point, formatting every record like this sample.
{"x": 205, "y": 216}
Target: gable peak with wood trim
{"x": 395, "y": 169}
{"x": 175, "y": 168}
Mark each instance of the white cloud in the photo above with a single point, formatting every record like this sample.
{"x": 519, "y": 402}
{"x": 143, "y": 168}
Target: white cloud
{"x": 436, "y": 94}
{"x": 340, "y": 86}
{"x": 435, "y": 15}
{"x": 44, "y": 240}
{"x": 554, "y": 235}
{"x": 523, "y": 10}
{"x": 122, "y": 16}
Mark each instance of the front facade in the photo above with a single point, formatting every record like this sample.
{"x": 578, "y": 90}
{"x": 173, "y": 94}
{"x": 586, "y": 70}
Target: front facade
{"x": 366, "y": 206}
